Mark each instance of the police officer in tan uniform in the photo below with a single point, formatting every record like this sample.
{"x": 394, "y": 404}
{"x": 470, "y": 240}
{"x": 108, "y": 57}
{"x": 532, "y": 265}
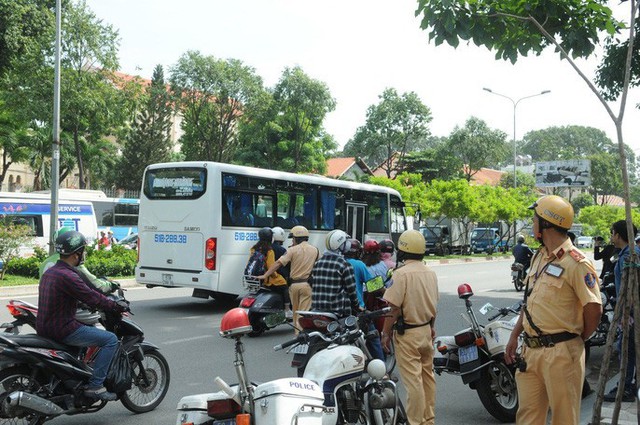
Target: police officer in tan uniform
{"x": 302, "y": 257}
{"x": 413, "y": 298}
{"x": 562, "y": 309}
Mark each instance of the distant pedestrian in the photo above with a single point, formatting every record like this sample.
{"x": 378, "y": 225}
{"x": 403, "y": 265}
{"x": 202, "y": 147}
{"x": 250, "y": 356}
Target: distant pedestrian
{"x": 103, "y": 241}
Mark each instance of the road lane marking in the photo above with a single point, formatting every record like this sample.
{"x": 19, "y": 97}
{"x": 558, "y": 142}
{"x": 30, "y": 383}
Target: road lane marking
{"x": 180, "y": 341}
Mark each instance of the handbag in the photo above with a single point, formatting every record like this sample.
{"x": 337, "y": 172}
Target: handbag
{"x": 120, "y": 375}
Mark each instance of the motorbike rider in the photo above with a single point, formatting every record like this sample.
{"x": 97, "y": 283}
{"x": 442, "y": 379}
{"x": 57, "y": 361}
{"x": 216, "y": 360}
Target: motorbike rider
{"x": 334, "y": 282}
{"x": 279, "y": 250}
{"x": 60, "y": 289}
{"x": 522, "y": 254}
{"x": 387, "y": 249}
{"x": 101, "y": 284}
{"x": 561, "y": 310}
{"x": 413, "y": 299}
{"x": 275, "y": 282}
{"x": 301, "y": 256}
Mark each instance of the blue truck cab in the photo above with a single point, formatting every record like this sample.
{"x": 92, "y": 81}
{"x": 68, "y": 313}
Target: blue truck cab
{"x": 486, "y": 239}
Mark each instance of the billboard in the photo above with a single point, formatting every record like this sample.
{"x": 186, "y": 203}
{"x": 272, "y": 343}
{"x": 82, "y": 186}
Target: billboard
{"x": 571, "y": 173}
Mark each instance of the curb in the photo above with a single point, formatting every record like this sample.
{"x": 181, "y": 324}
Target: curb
{"x": 27, "y": 290}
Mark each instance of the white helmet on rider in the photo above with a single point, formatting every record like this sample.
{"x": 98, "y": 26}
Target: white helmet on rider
{"x": 278, "y": 234}
{"x": 337, "y": 240}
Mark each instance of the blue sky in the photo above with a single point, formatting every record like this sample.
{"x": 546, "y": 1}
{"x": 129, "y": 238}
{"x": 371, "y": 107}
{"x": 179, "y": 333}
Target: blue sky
{"x": 358, "y": 48}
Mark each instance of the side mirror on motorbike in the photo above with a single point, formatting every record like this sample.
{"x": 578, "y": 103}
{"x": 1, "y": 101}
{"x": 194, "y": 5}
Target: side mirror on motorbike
{"x": 465, "y": 291}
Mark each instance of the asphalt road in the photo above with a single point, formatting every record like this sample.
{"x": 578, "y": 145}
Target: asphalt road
{"x": 186, "y": 330}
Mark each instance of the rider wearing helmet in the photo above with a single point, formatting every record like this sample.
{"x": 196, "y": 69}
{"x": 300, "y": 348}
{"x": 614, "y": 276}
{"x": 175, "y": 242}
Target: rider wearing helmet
{"x": 373, "y": 260}
{"x": 101, "y": 284}
{"x": 413, "y": 297}
{"x": 564, "y": 307}
{"x": 522, "y": 254}
{"x": 301, "y": 256}
{"x": 59, "y": 291}
{"x": 360, "y": 270}
{"x": 387, "y": 249}
{"x": 334, "y": 283}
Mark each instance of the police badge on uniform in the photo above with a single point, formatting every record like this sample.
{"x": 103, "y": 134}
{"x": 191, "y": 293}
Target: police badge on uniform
{"x": 590, "y": 280}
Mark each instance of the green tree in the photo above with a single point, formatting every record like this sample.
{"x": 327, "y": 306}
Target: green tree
{"x": 606, "y": 179}
{"x": 410, "y": 186}
{"x": 398, "y": 124}
{"x": 149, "y": 140}
{"x": 597, "y": 219}
{"x": 215, "y": 96}
{"x": 24, "y": 25}
{"x": 564, "y": 143}
{"x": 434, "y": 163}
{"x": 523, "y": 180}
{"x": 581, "y": 201}
{"x": 477, "y": 146}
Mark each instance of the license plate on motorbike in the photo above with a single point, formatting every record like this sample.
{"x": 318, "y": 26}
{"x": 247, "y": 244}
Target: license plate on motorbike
{"x": 225, "y": 422}
{"x": 467, "y": 354}
{"x": 300, "y": 349}
{"x": 514, "y": 274}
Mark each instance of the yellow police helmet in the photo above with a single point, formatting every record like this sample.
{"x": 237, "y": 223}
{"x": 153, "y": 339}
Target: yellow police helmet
{"x": 299, "y": 232}
{"x": 554, "y": 209}
{"x": 412, "y": 242}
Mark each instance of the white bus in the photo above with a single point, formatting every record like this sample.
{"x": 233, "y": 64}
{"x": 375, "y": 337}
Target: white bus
{"x": 198, "y": 220}
{"x": 35, "y": 211}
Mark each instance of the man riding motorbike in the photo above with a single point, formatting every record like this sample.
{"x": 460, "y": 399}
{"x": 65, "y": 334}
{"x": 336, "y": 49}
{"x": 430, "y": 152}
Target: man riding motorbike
{"x": 60, "y": 289}
{"x": 522, "y": 254}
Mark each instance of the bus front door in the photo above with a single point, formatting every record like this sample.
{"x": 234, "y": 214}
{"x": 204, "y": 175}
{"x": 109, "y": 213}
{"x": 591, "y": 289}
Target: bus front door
{"x": 355, "y": 221}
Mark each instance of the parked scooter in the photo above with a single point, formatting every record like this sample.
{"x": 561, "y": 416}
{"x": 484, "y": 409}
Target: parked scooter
{"x": 264, "y": 306}
{"x": 517, "y": 276}
{"x": 41, "y": 379}
{"x": 334, "y": 389}
{"x": 477, "y": 355}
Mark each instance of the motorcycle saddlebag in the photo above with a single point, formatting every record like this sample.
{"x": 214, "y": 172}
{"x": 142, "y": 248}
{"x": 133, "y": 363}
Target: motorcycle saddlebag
{"x": 287, "y": 400}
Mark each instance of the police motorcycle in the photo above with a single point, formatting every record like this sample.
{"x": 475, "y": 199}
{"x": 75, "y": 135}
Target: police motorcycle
{"x": 334, "y": 389}
{"x": 314, "y": 322}
{"x": 41, "y": 379}
{"x": 517, "y": 276}
{"x": 476, "y": 354}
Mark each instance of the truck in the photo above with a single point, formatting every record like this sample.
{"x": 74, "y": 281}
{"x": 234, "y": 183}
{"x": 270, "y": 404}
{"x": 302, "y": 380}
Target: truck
{"x": 494, "y": 237}
{"x": 444, "y": 236}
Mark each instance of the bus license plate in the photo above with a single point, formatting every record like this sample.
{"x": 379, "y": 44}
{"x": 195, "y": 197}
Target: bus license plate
{"x": 225, "y": 422}
{"x": 300, "y": 349}
{"x": 467, "y": 354}
{"x": 167, "y": 278}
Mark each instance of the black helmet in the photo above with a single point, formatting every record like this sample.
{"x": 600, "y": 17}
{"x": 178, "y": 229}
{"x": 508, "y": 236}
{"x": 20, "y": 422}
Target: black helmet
{"x": 387, "y": 246}
{"x": 265, "y": 234}
{"x": 70, "y": 242}
{"x": 355, "y": 250}
{"x": 520, "y": 239}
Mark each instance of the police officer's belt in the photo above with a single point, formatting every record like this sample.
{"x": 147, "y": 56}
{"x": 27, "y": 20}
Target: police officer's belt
{"x": 547, "y": 340}
{"x": 411, "y": 326}
{"x": 299, "y": 280}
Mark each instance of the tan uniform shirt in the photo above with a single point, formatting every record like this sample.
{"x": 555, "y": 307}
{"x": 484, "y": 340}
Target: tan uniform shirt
{"x": 415, "y": 291}
{"x": 561, "y": 285}
{"x": 302, "y": 258}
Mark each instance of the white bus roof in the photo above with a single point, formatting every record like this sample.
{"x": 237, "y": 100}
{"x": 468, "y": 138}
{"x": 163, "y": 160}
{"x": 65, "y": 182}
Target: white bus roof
{"x": 283, "y": 175}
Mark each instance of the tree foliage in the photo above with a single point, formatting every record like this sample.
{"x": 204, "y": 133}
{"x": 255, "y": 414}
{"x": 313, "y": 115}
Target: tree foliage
{"x": 597, "y": 219}
{"x": 214, "y": 96}
{"x": 564, "y": 143}
{"x": 435, "y": 162}
{"x": 149, "y": 140}
{"x": 13, "y": 236}
{"x": 526, "y": 181}
{"x": 398, "y": 124}
{"x": 477, "y": 146}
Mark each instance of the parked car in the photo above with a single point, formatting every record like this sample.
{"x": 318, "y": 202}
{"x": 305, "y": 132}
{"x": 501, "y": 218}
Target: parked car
{"x": 584, "y": 242}
{"x": 129, "y": 242}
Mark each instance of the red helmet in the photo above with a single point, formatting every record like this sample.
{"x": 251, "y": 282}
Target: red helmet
{"x": 371, "y": 247}
{"x": 234, "y": 323}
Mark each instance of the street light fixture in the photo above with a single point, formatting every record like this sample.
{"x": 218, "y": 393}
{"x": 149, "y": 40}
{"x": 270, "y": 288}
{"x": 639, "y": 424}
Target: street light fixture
{"x": 515, "y": 104}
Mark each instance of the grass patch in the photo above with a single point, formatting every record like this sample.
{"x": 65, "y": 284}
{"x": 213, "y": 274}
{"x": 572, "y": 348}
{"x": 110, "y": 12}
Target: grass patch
{"x": 15, "y": 280}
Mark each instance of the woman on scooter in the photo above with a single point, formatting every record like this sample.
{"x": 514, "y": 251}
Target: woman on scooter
{"x": 276, "y": 282}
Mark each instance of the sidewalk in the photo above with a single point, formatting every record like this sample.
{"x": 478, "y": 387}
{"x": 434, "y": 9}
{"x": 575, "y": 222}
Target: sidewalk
{"x": 27, "y": 290}
{"x": 628, "y": 411}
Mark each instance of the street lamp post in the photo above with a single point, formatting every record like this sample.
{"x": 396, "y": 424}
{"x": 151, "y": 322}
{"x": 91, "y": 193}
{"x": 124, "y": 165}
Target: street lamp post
{"x": 515, "y": 158}
{"x": 515, "y": 105}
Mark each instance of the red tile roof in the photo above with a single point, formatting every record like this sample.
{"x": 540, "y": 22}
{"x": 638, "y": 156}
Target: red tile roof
{"x": 336, "y": 167}
{"x": 487, "y": 176}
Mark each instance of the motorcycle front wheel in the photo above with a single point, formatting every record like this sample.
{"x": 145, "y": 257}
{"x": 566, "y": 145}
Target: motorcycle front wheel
{"x": 18, "y": 378}
{"x": 518, "y": 283}
{"x": 145, "y": 396}
{"x": 497, "y": 391}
